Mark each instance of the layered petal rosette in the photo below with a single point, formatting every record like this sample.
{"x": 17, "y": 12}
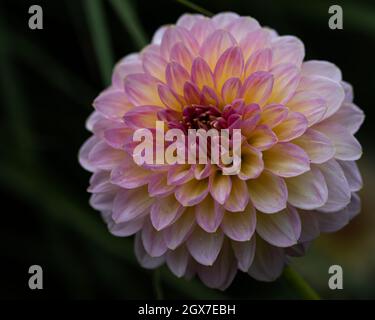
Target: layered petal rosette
{"x": 298, "y": 174}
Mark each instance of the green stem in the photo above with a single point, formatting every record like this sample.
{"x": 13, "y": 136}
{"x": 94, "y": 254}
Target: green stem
{"x": 195, "y": 7}
{"x": 156, "y": 281}
{"x": 300, "y": 284}
{"x": 100, "y": 36}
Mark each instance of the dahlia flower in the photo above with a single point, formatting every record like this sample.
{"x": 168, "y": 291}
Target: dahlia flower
{"x": 298, "y": 175}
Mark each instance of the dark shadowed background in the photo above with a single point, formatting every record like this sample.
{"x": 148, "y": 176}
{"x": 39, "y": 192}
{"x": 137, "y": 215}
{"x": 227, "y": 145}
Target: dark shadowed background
{"x": 48, "y": 79}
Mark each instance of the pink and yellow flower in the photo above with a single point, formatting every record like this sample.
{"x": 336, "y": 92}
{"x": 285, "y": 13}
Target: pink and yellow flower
{"x": 298, "y": 174}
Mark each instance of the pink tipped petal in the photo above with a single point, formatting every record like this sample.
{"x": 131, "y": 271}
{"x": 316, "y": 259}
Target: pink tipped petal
{"x": 215, "y": 45}
{"x": 209, "y": 97}
{"x": 209, "y": 214}
{"x": 180, "y": 174}
{"x": 117, "y": 137}
{"x": 142, "y": 89}
{"x": 244, "y": 252}
{"x": 125, "y": 229}
{"x": 253, "y": 42}
{"x": 242, "y": 26}
{"x": 188, "y": 20}
{"x": 220, "y": 275}
{"x": 177, "y": 261}
{"x": 192, "y": 192}
{"x": 286, "y": 160}
{"x": 229, "y": 65}
{"x": 201, "y": 74}
{"x": 352, "y": 174}
{"x": 318, "y": 147}
{"x": 260, "y": 60}
{"x": 153, "y": 241}
{"x": 158, "y": 186}
{"x": 338, "y": 187}
{"x": 251, "y": 163}
{"x": 331, "y": 91}
{"x": 158, "y": 35}
{"x": 288, "y": 49}
{"x": 307, "y": 191}
{"x": 130, "y": 204}
{"x": 142, "y": 117}
{"x": 321, "y": 68}
{"x": 223, "y": 20}
{"x": 268, "y": 192}
{"x": 112, "y": 104}
{"x": 239, "y": 226}
{"x": 178, "y": 232}
{"x": 165, "y": 211}
{"x": 281, "y": 229}
{"x": 257, "y": 88}
{"x": 130, "y": 64}
{"x": 144, "y": 259}
{"x": 154, "y": 64}
{"x": 220, "y": 187}
{"x": 174, "y": 35}
{"x": 129, "y": 175}
{"x": 169, "y": 98}
{"x": 84, "y": 151}
{"x": 346, "y": 145}
{"x": 286, "y": 80}
{"x": 191, "y": 93}
{"x": 273, "y": 114}
{"x": 102, "y": 156}
{"x": 205, "y": 247}
{"x": 349, "y": 116}
{"x": 239, "y": 196}
{"x": 99, "y": 182}
{"x": 268, "y": 262}
{"x": 230, "y": 90}
{"x": 262, "y": 138}
{"x": 310, "y": 104}
{"x": 176, "y": 76}
{"x": 292, "y": 127}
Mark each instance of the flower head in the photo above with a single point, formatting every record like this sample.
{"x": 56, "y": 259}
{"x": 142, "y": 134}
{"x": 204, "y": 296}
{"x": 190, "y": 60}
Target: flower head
{"x": 298, "y": 175}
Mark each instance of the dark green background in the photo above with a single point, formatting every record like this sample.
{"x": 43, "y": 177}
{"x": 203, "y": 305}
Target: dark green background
{"x": 48, "y": 79}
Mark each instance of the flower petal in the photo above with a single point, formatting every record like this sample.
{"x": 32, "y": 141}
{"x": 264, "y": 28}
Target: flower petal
{"x": 192, "y": 192}
{"x": 307, "y": 191}
{"x": 209, "y": 214}
{"x": 239, "y": 226}
{"x": 286, "y": 160}
{"x": 352, "y": 174}
{"x": 220, "y": 186}
{"x": 142, "y": 89}
{"x": 338, "y": 187}
{"x": 204, "y": 246}
{"x": 130, "y": 204}
{"x": 281, "y": 229}
{"x": 288, "y": 49}
{"x": 318, "y": 147}
{"x": 268, "y": 192}
{"x": 215, "y": 45}
{"x": 292, "y": 127}
{"x": 165, "y": 211}
{"x": 268, "y": 262}
{"x": 244, "y": 252}
{"x": 321, "y": 68}
{"x": 257, "y": 88}
{"x": 177, "y": 261}
{"x": 346, "y": 145}
{"x": 178, "y": 232}
{"x": 229, "y": 65}
{"x": 239, "y": 196}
